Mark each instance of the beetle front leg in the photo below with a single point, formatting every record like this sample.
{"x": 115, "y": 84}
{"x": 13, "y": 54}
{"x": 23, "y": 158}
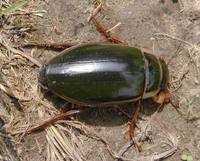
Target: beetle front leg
{"x": 164, "y": 97}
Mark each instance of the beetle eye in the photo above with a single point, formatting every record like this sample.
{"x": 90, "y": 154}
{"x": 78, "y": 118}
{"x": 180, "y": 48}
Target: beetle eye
{"x": 42, "y": 76}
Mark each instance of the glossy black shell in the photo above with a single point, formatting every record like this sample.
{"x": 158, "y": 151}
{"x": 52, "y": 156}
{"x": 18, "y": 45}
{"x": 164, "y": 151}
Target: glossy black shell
{"x": 94, "y": 74}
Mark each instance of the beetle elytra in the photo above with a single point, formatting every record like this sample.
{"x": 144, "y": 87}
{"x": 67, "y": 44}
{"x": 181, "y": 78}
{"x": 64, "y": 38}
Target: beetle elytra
{"x": 98, "y": 74}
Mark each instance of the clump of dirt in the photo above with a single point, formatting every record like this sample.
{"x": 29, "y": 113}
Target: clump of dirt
{"x": 168, "y": 28}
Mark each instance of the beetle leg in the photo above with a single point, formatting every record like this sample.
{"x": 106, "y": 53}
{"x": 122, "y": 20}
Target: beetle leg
{"x": 52, "y": 120}
{"x": 106, "y": 33}
{"x": 133, "y": 125}
{"x": 54, "y": 46}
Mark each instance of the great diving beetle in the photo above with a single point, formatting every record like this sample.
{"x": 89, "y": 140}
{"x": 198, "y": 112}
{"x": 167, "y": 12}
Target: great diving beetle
{"x": 104, "y": 74}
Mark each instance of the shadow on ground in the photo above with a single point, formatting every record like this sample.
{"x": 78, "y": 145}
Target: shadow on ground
{"x": 106, "y": 116}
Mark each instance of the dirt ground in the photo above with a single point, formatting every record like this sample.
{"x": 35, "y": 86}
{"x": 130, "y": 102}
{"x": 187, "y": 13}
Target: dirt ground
{"x": 169, "y": 28}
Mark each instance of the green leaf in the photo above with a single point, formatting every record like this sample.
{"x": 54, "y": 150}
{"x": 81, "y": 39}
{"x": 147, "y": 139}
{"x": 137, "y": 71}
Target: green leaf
{"x": 189, "y": 158}
{"x": 13, "y": 8}
{"x": 184, "y": 157}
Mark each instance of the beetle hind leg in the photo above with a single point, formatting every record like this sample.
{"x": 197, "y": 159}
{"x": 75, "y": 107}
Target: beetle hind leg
{"x": 133, "y": 125}
{"x": 60, "y": 116}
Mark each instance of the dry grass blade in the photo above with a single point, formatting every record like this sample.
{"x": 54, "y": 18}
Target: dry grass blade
{"x": 6, "y": 149}
{"x": 39, "y": 13}
{"x": 75, "y": 141}
{"x": 48, "y": 158}
{"x": 13, "y": 8}
{"x": 62, "y": 143}
{"x": 94, "y": 12}
{"x": 7, "y": 90}
{"x": 15, "y": 51}
{"x": 114, "y": 27}
{"x": 190, "y": 115}
{"x": 4, "y": 113}
{"x": 173, "y": 38}
{"x": 54, "y": 149}
{"x": 64, "y": 147}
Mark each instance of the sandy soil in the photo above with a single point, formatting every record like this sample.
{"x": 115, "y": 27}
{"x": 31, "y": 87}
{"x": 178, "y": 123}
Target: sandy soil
{"x": 169, "y": 28}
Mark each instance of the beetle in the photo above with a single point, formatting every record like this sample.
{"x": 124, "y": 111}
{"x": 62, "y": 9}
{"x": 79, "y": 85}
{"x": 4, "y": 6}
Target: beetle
{"x": 97, "y": 74}
{"x": 104, "y": 74}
